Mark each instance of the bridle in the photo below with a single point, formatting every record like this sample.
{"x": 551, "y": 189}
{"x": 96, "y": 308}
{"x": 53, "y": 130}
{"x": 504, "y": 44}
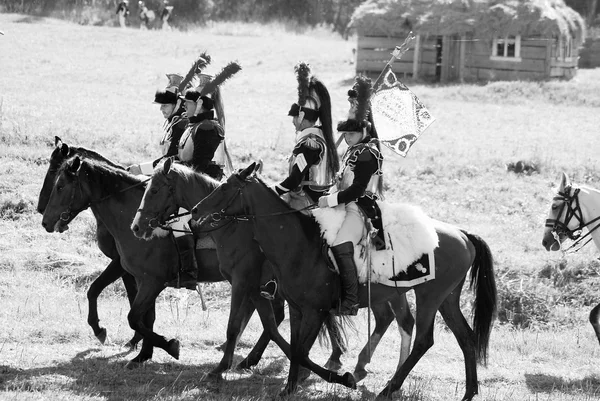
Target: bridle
{"x": 573, "y": 211}
{"x": 68, "y": 214}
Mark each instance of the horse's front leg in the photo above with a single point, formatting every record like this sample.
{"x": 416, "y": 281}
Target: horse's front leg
{"x": 141, "y": 319}
{"x": 112, "y": 273}
{"x": 131, "y": 289}
{"x": 239, "y": 314}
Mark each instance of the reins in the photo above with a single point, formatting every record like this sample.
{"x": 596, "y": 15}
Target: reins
{"x": 561, "y": 227}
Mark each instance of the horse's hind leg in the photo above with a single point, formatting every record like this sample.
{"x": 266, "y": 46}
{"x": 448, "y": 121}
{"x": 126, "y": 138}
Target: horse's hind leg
{"x": 384, "y": 313}
{"x": 450, "y": 310}
{"x": 595, "y": 320}
{"x": 112, "y": 273}
{"x": 131, "y": 289}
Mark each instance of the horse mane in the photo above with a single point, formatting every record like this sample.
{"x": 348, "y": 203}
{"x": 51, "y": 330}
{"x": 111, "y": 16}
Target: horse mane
{"x": 103, "y": 174}
{"x": 92, "y": 155}
{"x": 309, "y": 224}
{"x": 190, "y": 175}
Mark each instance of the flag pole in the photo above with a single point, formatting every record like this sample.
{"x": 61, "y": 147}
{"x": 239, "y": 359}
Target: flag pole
{"x": 398, "y": 52}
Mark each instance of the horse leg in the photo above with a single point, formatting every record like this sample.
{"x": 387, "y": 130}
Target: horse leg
{"x": 334, "y": 363}
{"x": 112, "y": 272}
{"x": 131, "y": 289}
{"x": 240, "y": 312}
{"x": 595, "y": 320}
{"x": 450, "y": 311}
{"x": 305, "y": 329}
{"x": 426, "y": 309}
{"x": 141, "y": 319}
{"x": 384, "y": 313}
{"x": 277, "y": 309}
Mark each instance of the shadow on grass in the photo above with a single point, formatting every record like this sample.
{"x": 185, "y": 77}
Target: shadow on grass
{"x": 90, "y": 375}
{"x": 541, "y": 383}
{"x": 30, "y": 19}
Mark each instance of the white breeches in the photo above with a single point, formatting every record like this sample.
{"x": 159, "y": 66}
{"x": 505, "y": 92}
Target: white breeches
{"x": 353, "y": 226}
{"x": 181, "y": 224}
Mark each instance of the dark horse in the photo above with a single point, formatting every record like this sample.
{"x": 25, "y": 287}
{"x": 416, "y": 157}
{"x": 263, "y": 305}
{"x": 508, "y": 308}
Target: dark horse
{"x": 242, "y": 262}
{"x": 114, "y": 195}
{"x": 292, "y": 243}
{"x": 573, "y": 209}
{"x": 105, "y": 240}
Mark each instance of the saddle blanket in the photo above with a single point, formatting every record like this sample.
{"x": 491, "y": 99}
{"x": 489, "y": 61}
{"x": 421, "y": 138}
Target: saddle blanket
{"x": 205, "y": 242}
{"x": 410, "y": 241}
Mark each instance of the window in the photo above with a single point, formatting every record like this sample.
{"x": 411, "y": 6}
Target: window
{"x": 507, "y": 48}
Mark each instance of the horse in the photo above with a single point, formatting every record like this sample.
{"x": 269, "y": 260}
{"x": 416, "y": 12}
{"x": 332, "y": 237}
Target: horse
{"x": 113, "y": 195}
{"x": 292, "y": 242}
{"x": 173, "y": 186}
{"x": 106, "y": 242}
{"x": 574, "y": 208}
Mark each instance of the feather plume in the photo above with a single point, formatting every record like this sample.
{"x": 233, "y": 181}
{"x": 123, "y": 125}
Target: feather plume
{"x": 302, "y": 75}
{"x": 199, "y": 65}
{"x": 363, "y": 94}
{"x": 227, "y": 72}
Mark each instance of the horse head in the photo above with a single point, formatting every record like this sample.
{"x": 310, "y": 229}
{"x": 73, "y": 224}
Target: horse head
{"x": 67, "y": 197}
{"x": 158, "y": 203}
{"x": 225, "y": 199}
{"x": 61, "y": 152}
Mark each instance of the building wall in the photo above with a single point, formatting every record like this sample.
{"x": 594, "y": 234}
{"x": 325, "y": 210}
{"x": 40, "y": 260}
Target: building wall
{"x": 465, "y": 58}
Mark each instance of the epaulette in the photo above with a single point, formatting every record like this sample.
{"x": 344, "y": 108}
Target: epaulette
{"x": 207, "y": 125}
{"x": 311, "y": 142}
{"x": 364, "y": 152}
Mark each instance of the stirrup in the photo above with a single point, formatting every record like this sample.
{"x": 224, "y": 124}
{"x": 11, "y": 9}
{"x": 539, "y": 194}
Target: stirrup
{"x": 265, "y": 290}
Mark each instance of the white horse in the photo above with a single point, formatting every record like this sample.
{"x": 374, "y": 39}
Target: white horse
{"x": 573, "y": 209}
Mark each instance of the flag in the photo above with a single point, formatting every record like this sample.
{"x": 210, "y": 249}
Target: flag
{"x": 399, "y": 116}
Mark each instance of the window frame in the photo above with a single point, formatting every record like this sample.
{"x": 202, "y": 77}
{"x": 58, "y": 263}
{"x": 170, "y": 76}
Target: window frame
{"x": 506, "y": 41}
{"x": 565, "y": 49}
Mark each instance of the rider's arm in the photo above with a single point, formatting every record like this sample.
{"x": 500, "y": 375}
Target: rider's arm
{"x": 306, "y": 157}
{"x": 366, "y": 165}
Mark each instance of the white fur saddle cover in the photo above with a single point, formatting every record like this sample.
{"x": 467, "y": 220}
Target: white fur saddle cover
{"x": 409, "y": 235}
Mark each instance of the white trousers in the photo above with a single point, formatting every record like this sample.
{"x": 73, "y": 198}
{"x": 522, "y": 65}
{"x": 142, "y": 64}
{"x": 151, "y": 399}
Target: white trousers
{"x": 353, "y": 227}
{"x": 181, "y": 223}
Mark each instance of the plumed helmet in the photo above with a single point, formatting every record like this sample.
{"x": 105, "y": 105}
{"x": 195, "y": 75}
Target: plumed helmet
{"x": 313, "y": 97}
{"x": 170, "y": 93}
{"x": 359, "y": 112}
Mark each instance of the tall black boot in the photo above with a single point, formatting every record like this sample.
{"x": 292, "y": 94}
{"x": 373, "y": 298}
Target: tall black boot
{"x": 344, "y": 256}
{"x": 187, "y": 276}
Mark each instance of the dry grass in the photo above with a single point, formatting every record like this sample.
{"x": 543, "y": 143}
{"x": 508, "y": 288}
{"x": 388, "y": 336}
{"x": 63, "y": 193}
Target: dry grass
{"x": 93, "y": 87}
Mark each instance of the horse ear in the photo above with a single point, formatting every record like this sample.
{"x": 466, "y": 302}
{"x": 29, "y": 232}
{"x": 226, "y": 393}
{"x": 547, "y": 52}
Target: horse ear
{"x": 57, "y": 141}
{"x": 64, "y": 149}
{"x": 167, "y": 165}
{"x": 564, "y": 180}
{"x": 75, "y": 165}
{"x": 259, "y": 167}
{"x": 245, "y": 173}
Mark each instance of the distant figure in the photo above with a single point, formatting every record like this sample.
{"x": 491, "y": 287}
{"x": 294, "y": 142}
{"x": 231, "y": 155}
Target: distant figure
{"x": 123, "y": 13}
{"x": 165, "y": 15}
{"x": 146, "y": 16}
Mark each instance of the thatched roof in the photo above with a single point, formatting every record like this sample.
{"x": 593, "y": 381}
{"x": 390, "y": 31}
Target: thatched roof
{"x": 482, "y": 18}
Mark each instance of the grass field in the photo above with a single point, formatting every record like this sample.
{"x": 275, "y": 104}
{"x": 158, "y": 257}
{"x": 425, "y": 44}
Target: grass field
{"x": 94, "y": 87}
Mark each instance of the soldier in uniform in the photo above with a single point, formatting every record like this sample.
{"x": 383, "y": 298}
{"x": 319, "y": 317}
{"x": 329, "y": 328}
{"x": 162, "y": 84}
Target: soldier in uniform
{"x": 123, "y": 12}
{"x": 201, "y": 138}
{"x": 165, "y": 15}
{"x": 314, "y": 160}
{"x": 358, "y": 188}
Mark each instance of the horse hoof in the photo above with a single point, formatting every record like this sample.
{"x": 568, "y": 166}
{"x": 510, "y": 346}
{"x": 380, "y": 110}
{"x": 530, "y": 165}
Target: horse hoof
{"x": 359, "y": 375}
{"x": 173, "y": 349}
{"x": 212, "y": 377}
{"x": 303, "y": 374}
{"x": 130, "y": 346}
{"x": 349, "y": 380}
{"x": 133, "y": 365}
{"x": 101, "y": 336}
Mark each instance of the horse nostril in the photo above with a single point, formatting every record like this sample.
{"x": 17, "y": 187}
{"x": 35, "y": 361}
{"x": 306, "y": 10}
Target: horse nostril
{"x": 44, "y": 224}
{"x": 195, "y": 210}
{"x": 40, "y": 210}
{"x": 135, "y": 228}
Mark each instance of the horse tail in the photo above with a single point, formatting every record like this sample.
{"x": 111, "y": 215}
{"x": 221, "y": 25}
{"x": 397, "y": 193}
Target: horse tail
{"x": 334, "y": 330}
{"x": 484, "y": 281}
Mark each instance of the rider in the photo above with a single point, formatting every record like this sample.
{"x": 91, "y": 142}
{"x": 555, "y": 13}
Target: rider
{"x": 314, "y": 160}
{"x": 359, "y": 187}
{"x": 201, "y": 138}
{"x": 123, "y": 13}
